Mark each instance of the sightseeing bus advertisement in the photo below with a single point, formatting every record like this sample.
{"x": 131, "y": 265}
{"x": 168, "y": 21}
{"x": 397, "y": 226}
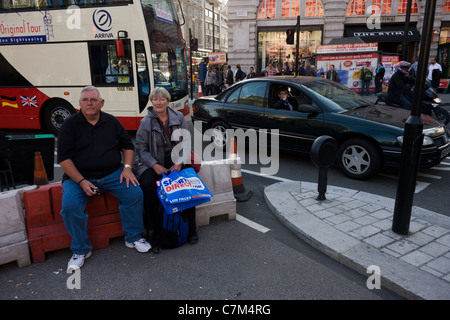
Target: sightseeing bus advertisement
{"x": 48, "y": 56}
{"x": 23, "y": 32}
{"x": 348, "y": 68}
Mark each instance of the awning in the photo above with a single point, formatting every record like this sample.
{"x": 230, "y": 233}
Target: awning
{"x": 387, "y": 33}
{"x": 346, "y": 40}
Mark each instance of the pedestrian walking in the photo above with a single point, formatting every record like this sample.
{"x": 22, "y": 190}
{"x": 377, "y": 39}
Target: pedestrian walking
{"x": 240, "y": 75}
{"x": 271, "y": 71}
{"x": 434, "y": 73}
{"x": 210, "y": 81}
{"x": 202, "y": 70}
{"x": 413, "y": 69}
{"x": 251, "y": 73}
{"x": 219, "y": 81}
{"x": 310, "y": 71}
{"x": 332, "y": 74}
{"x": 229, "y": 77}
{"x": 379, "y": 76}
{"x": 366, "y": 77}
{"x": 301, "y": 69}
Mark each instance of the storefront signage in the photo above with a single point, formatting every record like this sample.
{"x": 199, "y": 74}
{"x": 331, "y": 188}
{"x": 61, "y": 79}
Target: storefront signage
{"x": 346, "y": 48}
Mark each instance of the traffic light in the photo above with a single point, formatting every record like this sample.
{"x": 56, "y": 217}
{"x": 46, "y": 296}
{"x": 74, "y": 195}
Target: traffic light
{"x": 290, "y": 36}
{"x": 194, "y": 44}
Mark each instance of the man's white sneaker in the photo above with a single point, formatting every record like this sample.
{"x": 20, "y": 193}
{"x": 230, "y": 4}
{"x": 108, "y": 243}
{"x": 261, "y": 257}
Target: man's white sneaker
{"x": 141, "y": 245}
{"x": 77, "y": 260}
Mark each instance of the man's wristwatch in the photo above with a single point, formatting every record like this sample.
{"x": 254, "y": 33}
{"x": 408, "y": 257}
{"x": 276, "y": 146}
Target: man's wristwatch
{"x": 127, "y": 166}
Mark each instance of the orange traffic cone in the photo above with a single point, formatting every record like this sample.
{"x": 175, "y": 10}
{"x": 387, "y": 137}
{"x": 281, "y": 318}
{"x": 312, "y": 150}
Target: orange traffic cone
{"x": 240, "y": 194}
{"x": 200, "y": 93}
{"x": 40, "y": 175}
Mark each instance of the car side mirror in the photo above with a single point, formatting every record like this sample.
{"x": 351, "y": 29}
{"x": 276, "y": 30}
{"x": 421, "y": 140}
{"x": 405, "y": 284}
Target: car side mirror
{"x": 307, "y": 108}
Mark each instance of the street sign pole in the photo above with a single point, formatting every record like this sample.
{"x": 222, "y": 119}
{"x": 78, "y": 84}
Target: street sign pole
{"x": 191, "y": 74}
{"x": 413, "y": 135}
{"x": 406, "y": 30}
{"x": 297, "y": 48}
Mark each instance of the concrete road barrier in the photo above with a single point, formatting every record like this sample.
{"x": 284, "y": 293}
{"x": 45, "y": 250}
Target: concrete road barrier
{"x": 13, "y": 236}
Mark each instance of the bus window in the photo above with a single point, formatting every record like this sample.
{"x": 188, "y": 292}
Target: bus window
{"x": 143, "y": 79}
{"x": 26, "y": 4}
{"x": 167, "y": 47}
{"x": 106, "y": 67}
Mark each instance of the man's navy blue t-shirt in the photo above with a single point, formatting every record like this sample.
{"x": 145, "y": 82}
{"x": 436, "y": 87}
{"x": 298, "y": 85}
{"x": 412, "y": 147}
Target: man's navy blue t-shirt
{"x": 95, "y": 150}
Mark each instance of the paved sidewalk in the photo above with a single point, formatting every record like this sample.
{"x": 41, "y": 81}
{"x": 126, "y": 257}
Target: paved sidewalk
{"x": 354, "y": 228}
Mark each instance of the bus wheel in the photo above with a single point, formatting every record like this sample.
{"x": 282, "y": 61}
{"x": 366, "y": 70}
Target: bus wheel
{"x": 55, "y": 113}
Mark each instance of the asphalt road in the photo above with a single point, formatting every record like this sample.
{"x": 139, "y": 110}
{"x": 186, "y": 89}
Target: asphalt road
{"x": 240, "y": 260}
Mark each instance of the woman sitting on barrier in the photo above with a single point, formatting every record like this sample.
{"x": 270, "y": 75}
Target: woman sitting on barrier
{"x": 155, "y": 157}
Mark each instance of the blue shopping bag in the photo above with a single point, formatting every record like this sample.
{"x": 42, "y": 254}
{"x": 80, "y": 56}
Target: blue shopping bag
{"x": 181, "y": 190}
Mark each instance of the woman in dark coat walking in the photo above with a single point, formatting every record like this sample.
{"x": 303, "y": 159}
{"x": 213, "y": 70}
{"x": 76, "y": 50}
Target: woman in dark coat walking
{"x": 379, "y": 78}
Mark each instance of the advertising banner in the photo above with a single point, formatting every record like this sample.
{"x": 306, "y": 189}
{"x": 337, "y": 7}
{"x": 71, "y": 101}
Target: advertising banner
{"x": 388, "y": 62}
{"x": 348, "y": 68}
{"x": 217, "y": 57}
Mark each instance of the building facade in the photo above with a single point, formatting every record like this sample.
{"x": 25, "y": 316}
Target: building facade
{"x": 207, "y": 22}
{"x": 257, "y": 28}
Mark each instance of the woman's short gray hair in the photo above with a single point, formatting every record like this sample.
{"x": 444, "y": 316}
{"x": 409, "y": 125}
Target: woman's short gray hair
{"x": 159, "y": 91}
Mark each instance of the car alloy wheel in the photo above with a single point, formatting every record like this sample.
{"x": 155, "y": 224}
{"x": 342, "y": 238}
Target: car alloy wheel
{"x": 219, "y": 134}
{"x": 359, "y": 159}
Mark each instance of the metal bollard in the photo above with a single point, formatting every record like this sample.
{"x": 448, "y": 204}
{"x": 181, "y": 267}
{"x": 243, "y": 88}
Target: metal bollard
{"x": 323, "y": 155}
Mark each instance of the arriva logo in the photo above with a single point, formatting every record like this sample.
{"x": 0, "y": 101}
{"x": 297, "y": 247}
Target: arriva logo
{"x": 102, "y": 20}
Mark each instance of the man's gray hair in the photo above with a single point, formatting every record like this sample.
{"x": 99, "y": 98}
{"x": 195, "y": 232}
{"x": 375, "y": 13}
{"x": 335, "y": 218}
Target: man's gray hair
{"x": 91, "y": 88}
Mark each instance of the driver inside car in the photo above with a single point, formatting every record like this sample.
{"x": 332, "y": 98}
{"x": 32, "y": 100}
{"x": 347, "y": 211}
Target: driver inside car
{"x": 283, "y": 103}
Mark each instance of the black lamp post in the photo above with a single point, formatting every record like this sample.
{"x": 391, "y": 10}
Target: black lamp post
{"x": 406, "y": 30}
{"x": 413, "y": 135}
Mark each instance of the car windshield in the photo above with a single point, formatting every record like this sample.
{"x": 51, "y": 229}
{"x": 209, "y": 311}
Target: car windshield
{"x": 335, "y": 97}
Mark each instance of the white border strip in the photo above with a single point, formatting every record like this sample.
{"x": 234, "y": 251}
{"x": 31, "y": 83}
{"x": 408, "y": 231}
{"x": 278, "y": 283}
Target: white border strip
{"x": 266, "y": 176}
{"x": 251, "y": 224}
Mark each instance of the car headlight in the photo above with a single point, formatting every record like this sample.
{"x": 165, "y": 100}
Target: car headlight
{"x": 427, "y": 141}
{"x": 437, "y": 100}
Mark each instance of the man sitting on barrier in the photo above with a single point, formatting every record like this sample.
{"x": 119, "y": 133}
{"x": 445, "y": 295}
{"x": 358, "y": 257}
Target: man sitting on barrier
{"x": 90, "y": 143}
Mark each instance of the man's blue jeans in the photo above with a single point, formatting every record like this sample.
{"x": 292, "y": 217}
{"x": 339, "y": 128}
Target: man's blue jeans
{"x": 365, "y": 87}
{"x": 75, "y": 217}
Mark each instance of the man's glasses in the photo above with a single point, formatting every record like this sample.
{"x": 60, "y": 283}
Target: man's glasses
{"x": 86, "y": 100}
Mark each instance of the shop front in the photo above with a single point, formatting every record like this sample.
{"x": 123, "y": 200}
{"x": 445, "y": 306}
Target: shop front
{"x": 272, "y": 48}
{"x": 389, "y": 38}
